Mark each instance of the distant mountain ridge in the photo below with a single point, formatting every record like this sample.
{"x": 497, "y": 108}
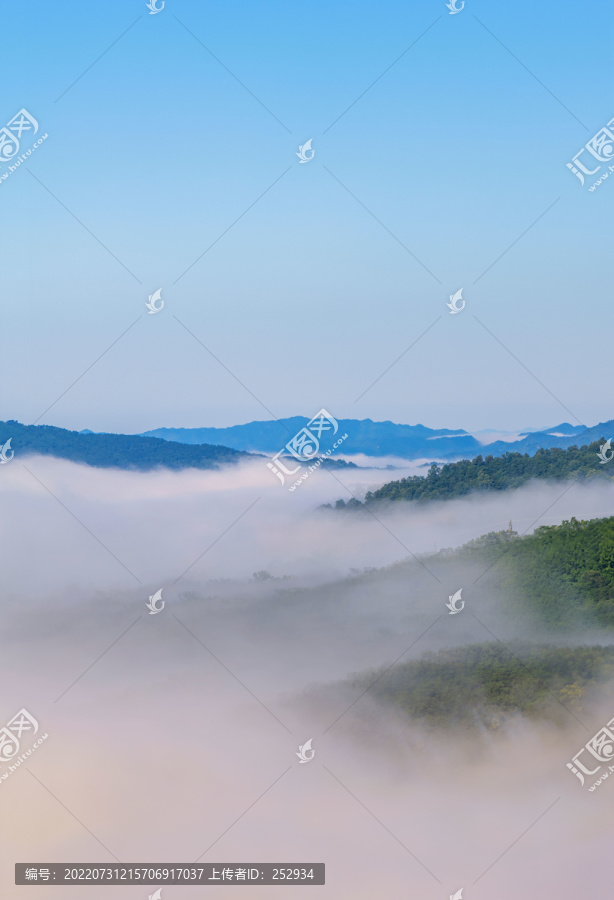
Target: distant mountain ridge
{"x": 179, "y": 448}
{"x": 364, "y": 436}
{"x": 124, "y": 451}
{"x": 386, "y": 438}
{"x": 537, "y": 440}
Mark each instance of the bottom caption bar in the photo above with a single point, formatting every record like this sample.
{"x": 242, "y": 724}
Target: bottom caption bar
{"x": 169, "y": 873}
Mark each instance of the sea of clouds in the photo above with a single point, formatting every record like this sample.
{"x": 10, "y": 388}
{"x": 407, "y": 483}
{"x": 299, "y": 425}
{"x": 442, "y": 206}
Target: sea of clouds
{"x": 173, "y": 737}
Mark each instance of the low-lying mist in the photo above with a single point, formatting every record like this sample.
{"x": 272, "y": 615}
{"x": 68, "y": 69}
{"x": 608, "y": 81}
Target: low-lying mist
{"x": 173, "y": 737}
{"x": 68, "y": 524}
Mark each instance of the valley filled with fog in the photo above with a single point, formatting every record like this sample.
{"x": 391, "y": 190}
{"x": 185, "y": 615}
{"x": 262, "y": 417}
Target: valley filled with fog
{"x": 173, "y": 737}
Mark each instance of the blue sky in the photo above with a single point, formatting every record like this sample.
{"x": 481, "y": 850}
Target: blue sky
{"x": 316, "y": 277}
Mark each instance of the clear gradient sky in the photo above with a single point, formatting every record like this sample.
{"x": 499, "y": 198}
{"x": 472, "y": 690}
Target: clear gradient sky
{"x": 182, "y": 137}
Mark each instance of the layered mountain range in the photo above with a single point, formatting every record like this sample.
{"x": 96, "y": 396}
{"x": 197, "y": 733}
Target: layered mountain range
{"x": 379, "y": 439}
{"x": 178, "y": 448}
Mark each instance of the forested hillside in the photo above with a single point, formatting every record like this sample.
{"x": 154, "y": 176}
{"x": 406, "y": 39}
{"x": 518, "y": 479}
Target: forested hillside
{"x": 563, "y": 572}
{"x": 494, "y": 473}
{"x": 483, "y": 683}
{"x": 121, "y": 450}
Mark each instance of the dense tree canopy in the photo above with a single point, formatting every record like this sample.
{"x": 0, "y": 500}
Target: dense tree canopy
{"x": 564, "y": 576}
{"x": 496, "y": 473}
{"x": 564, "y": 572}
{"x": 482, "y": 683}
{"x": 124, "y": 451}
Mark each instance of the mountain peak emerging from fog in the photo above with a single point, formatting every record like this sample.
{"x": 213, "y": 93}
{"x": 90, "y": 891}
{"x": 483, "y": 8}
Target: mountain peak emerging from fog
{"x": 388, "y": 438}
{"x": 364, "y": 437}
{"x": 562, "y": 430}
{"x": 178, "y": 448}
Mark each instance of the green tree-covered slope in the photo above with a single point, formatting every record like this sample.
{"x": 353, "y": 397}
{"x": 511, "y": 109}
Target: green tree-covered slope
{"x": 497, "y": 473}
{"x": 482, "y": 683}
{"x": 123, "y": 451}
{"x": 563, "y": 572}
